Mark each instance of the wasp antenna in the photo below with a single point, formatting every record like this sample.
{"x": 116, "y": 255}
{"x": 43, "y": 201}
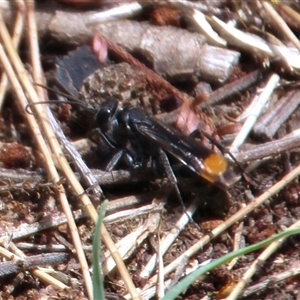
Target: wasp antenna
{"x": 54, "y": 90}
{"x": 32, "y": 104}
{"x": 71, "y": 99}
{"x": 53, "y": 102}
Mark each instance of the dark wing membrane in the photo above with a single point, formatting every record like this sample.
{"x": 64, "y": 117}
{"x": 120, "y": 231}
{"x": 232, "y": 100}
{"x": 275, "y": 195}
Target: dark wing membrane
{"x": 185, "y": 149}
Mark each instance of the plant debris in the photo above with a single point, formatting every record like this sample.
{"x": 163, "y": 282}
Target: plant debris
{"x": 222, "y": 74}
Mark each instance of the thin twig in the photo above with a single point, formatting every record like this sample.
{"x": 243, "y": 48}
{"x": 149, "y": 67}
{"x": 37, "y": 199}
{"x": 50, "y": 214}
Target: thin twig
{"x": 31, "y": 262}
{"x": 255, "y": 112}
{"x": 280, "y": 24}
{"x": 120, "y": 12}
{"x": 277, "y": 114}
{"x": 34, "y": 179}
{"x": 169, "y": 238}
{"x": 128, "y": 245}
{"x": 229, "y": 222}
{"x": 258, "y": 263}
{"x": 38, "y": 77}
{"x": 56, "y": 218}
{"x": 292, "y": 271}
{"x": 48, "y": 279}
{"x": 231, "y": 88}
{"x": 85, "y": 172}
{"x": 22, "y": 75}
{"x": 16, "y": 36}
{"x": 22, "y": 99}
{"x": 273, "y": 148}
{"x": 238, "y": 238}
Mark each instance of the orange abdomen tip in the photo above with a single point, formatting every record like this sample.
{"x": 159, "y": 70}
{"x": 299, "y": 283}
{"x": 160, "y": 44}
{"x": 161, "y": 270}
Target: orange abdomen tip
{"x": 215, "y": 164}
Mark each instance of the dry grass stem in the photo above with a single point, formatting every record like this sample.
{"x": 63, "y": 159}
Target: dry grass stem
{"x": 246, "y": 41}
{"x": 50, "y": 167}
{"x": 187, "y": 6}
{"x": 205, "y": 28}
{"x": 16, "y": 36}
{"x": 281, "y": 24}
{"x": 31, "y": 121}
{"x": 48, "y": 279}
{"x": 295, "y": 16}
{"x": 258, "y": 263}
{"x": 123, "y": 11}
{"x": 275, "y": 279}
{"x": 127, "y": 245}
{"x": 91, "y": 211}
{"x": 85, "y": 172}
{"x": 127, "y": 214}
{"x": 42, "y": 116}
{"x": 229, "y": 222}
{"x": 239, "y": 242}
{"x": 160, "y": 271}
{"x": 247, "y": 84}
{"x": 255, "y": 112}
{"x": 168, "y": 239}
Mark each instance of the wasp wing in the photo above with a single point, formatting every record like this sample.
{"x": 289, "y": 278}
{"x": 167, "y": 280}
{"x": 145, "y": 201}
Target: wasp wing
{"x": 187, "y": 150}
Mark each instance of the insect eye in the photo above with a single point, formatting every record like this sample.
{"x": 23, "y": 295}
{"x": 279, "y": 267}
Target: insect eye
{"x": 106, "y": 111}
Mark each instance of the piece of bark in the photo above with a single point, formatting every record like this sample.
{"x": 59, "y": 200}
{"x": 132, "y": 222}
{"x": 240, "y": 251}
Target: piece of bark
{"x": 275, "y": 116}
{"x": 30, "y": 262}
{"x": 161, "y": 46}
{"x": 231, "y": 89}
{"x": 174, "y": 53}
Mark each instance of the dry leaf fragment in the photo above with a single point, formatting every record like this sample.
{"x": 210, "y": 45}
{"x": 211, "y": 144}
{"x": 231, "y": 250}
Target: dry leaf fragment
{"x": 166, "y": 16}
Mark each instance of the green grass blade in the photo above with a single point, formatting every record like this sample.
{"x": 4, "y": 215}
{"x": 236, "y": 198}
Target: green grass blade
{"x": 188, "y": 280}
{"x": 98, "y": 280}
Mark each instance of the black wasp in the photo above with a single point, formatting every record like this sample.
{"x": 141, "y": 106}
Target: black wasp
{"x": 135, "y": 135}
